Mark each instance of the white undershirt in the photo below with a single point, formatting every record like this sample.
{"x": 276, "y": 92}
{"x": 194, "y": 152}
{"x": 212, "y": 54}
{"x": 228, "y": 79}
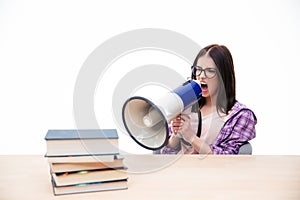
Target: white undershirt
{"x": 211, "y": 126}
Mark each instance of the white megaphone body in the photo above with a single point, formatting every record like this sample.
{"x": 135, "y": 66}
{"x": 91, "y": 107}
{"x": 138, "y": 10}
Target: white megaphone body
{"x": 147, "y": 120}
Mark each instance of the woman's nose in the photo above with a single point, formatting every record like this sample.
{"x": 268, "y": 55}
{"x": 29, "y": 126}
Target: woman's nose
{"x": 202, "y": 75}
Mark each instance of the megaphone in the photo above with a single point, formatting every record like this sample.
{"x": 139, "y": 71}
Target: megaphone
{"x": 147, "y": 120}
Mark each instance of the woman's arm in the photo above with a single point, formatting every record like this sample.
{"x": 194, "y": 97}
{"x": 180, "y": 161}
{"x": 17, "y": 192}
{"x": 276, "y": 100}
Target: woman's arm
{"x": 173, "y": 141}
{"x": 200, "y": 146}
{"x": 173, "y": 145}
{"x": 238, "y": 130}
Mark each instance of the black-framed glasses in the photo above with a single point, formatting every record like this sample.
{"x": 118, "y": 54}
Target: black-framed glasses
{"x": 208, "y": 72}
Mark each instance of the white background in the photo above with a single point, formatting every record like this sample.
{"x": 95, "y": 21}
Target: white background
{"x": 43, "y": 45}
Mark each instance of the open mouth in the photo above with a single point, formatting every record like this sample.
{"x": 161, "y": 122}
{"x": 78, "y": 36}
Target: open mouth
{"x": 203, "y": 86}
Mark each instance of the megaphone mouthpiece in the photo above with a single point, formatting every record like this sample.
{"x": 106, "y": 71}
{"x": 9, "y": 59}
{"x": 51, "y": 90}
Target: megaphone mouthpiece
{"x": 152, "y": 118}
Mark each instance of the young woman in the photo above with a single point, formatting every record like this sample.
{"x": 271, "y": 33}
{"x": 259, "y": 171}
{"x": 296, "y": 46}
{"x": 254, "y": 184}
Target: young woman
{"x": 226, "y": 123}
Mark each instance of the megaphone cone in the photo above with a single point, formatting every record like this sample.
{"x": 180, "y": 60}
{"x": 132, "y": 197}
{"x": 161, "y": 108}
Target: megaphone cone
{"x": 147, "y": 121}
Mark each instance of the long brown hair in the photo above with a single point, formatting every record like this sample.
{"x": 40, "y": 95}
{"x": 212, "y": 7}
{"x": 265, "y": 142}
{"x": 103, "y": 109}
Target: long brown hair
{"x": 225, "y": 72}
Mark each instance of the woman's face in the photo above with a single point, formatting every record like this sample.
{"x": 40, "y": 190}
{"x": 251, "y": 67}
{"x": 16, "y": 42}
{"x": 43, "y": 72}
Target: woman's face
{"x": 209, "y": 86}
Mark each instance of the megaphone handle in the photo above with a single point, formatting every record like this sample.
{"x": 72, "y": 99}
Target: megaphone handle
{"x": 179, "y": 134}
{"x": 185, "y": 112}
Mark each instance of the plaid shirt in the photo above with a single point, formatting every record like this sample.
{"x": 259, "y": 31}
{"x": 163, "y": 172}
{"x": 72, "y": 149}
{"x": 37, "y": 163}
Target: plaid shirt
{"x": 238, "y": 129}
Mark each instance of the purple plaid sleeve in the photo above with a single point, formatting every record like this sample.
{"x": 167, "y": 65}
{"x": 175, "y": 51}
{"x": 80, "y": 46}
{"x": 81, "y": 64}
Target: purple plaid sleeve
{"x": 239, "y": 129}
{"x": 167, "y": 150}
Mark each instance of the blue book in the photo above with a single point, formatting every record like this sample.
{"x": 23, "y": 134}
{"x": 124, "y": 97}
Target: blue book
{"x": 82, "y": 142}
{"x": 82, "y": 134}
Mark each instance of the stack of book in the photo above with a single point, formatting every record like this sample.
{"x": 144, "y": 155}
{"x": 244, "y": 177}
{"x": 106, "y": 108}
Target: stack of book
{"x": 85, "y": 161}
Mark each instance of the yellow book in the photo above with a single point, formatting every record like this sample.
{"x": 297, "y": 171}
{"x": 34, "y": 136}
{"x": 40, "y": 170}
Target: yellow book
{"x": 80, "y": 177}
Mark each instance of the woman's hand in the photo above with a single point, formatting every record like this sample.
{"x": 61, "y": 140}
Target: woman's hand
{"x": 186, "y": 129}
{"x": 176, "y": 124}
